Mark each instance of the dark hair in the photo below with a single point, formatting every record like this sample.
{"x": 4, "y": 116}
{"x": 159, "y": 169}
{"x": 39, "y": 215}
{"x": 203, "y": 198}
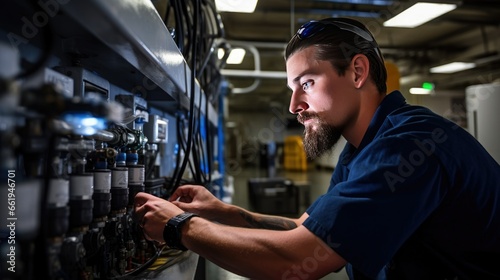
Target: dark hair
{"x": 339, "y": 46}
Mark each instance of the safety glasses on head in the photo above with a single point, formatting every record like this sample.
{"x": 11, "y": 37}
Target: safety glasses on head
{"x": 312, "y": 27}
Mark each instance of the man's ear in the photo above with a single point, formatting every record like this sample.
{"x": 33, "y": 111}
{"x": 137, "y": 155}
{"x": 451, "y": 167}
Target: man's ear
{"x": 361, "y": 66}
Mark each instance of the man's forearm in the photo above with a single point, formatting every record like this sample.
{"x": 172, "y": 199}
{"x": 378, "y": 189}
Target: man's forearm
{"x": 254, "y": 220}
{"x": 260, "y": 253}
{"x": 236, "y": 216}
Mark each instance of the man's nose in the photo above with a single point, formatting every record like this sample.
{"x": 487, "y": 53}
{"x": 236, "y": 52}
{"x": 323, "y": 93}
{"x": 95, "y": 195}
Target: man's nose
{"x": 296, "y": 104}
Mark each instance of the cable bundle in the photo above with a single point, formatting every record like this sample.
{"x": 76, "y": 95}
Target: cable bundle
{"x": 197, "y": 30}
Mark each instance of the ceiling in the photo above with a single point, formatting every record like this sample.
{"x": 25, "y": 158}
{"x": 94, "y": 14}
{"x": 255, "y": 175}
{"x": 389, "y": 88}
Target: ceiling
{"x": 468, "y": 33}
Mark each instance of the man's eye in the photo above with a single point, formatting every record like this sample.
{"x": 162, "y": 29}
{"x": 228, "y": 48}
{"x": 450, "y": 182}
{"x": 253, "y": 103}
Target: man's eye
{"x": 306, "y": 85}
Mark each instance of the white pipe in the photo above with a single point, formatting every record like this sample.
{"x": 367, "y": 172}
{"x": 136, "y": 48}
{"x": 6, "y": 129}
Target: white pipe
{"x": 254, "y": 74}
{"x": 268, "y": 45}
{"x": 257, "y": 73}
{"x": 248, "y": 89}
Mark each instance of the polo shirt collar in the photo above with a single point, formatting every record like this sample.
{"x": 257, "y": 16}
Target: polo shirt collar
{"x": 391, "y": 102}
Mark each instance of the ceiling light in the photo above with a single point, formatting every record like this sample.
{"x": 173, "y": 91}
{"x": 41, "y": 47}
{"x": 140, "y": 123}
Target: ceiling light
{"x": 419, "y": 14}
{"x": 237, "y": 6}
{"x": 415, "y": 90}
{"x": 452, "y": 67}
{"x": 235, "y": 56}
{"x": 361, "y": 2}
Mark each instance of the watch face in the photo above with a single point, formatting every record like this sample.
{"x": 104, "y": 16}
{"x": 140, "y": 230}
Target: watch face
{"x": 170, "y": 230}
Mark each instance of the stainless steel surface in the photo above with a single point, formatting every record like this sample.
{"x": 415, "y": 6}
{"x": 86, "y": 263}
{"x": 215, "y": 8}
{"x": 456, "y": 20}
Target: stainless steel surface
{"x": 134, "y": 31}
{"x": 103, "y": 135}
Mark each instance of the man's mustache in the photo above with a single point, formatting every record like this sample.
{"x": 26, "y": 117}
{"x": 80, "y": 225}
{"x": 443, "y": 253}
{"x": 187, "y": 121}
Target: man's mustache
{"x": 305, "y": 116}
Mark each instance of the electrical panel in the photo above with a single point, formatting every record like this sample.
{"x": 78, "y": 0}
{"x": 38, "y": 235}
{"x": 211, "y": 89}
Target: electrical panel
{"x": 97, "y": 100}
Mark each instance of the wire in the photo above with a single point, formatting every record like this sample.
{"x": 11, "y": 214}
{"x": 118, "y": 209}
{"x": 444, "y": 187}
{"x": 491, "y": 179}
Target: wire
{"x": 41, "y": 251}
{"x": 151, "y": 164}
{"x": 143, "y": 267}
{"x": 209, "y": 144}
{"x": 178, "y": 156}
{"x": 198, "y": 27}
{"x": 215, "y": 27}
{"x": 193, "y": 88}
{"x": 183, "y": 144}
{"x": 191, "y": 36}
{"x": 178, "y": 28}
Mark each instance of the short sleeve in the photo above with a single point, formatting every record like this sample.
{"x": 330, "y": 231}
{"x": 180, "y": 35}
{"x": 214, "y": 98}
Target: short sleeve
{"x": 336, "y": 178}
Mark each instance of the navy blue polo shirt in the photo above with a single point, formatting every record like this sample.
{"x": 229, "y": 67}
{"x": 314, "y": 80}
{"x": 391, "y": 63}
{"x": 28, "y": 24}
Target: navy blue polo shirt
{"x": 418, "y": 194}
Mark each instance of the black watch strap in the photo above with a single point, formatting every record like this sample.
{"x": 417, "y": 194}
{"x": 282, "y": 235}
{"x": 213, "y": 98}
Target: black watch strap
{"x": 172, "y": 231}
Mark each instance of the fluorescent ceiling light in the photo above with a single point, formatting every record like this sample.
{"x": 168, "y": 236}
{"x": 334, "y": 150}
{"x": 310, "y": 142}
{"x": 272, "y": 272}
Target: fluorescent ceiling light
{"x": 237, "y": 6}
{"x": 452, "y": 67}
{"x": 361, "y": 2}
{"x": 235, "y": 56}
{"x": 415, "y": 90}
{"x": 419, "y": 14}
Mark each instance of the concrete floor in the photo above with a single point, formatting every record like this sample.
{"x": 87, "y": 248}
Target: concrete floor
{"x": 312, "y": 183}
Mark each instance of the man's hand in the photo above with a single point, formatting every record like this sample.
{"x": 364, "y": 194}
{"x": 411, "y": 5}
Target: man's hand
{"x": 152, "y": 213}
{"x": 198, "y": 200}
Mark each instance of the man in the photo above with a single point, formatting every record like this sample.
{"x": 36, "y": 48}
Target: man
{"x": 413, "y": 196}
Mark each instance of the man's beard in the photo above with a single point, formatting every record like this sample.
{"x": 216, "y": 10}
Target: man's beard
{"x": 320, "y": 139}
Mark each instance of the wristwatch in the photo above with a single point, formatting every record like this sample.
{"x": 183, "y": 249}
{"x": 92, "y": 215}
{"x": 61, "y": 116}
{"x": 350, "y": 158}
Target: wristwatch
{"x": 172, "y": 231}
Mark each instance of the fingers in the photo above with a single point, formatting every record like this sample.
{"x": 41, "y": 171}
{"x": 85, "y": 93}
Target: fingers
{"x": 151, "y": 213}
{"x": 140, "y": 209}
{"x": 187, "y": 205}
{"x": 182, "y": 205}
{"x": 139, "y": 212}
{"x": 183, "y": 191}
{"x": 147, "y": 236}
{"x": 179, "y": 192}
{"x": 142, "y": 197}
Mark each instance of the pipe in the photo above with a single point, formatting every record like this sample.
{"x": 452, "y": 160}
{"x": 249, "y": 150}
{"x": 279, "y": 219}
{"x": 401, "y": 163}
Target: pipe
{"x": 252, "y": 87}
{"x": 254, "y": 74}
{"x": 104, "y": 136}
{"x": 264, "y": 45}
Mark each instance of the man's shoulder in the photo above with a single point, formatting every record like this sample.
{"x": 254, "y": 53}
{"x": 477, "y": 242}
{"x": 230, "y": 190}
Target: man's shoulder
{"x": 409, "y": 112}
{"x": 419, "y": 119}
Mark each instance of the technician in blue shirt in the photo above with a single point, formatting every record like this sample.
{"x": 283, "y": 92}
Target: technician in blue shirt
{"x": 414, "y": 196}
